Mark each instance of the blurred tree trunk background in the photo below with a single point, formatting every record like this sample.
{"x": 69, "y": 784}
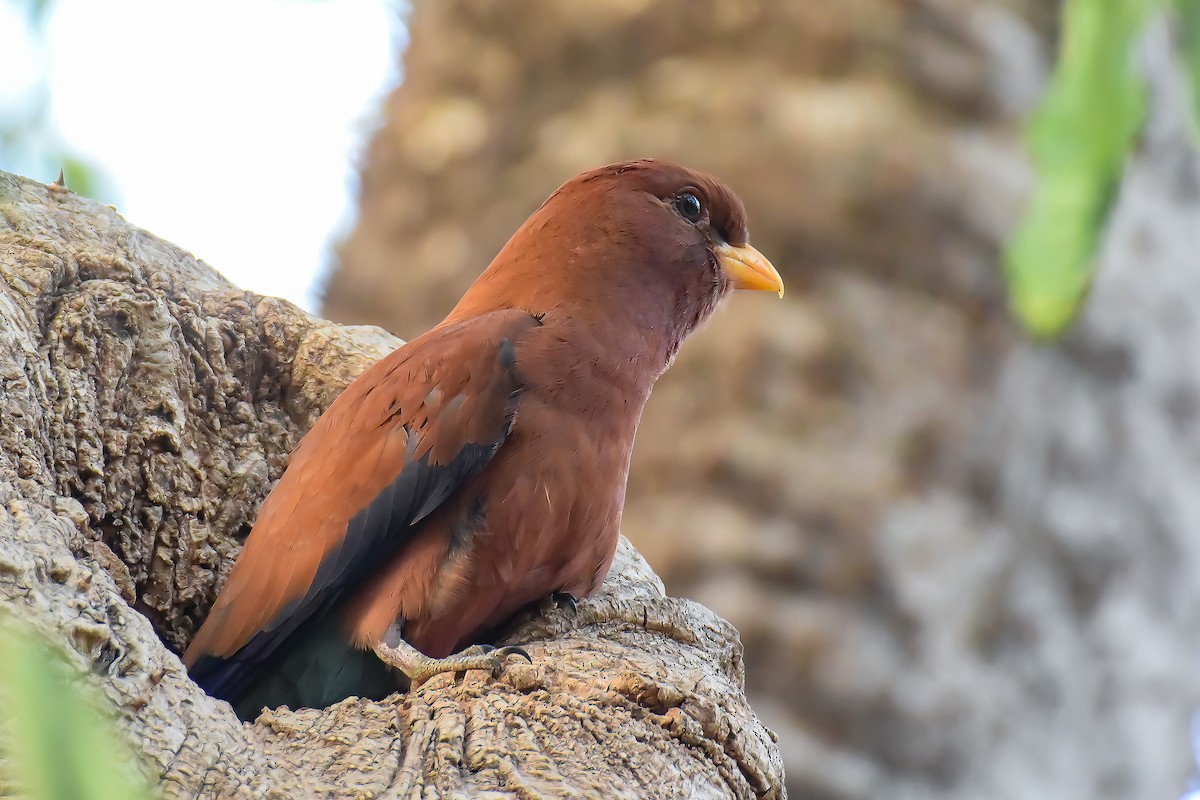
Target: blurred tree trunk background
{"x": 962, "y": 564}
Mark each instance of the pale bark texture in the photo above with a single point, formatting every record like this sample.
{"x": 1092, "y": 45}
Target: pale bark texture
{"x": 147, "y": 406}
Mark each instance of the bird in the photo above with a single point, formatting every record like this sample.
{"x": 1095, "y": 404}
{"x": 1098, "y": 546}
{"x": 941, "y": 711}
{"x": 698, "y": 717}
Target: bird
{"x": 480, "y": 468}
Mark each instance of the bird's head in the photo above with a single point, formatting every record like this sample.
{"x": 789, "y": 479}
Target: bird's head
{"x": 645, "y": 245}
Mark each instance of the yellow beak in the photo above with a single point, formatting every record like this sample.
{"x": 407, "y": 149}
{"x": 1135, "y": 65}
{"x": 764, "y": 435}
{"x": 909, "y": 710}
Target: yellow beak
{"x": 746, "y": 268}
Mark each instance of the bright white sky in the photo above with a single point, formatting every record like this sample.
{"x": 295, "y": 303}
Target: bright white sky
{"x": 229, "y": 127}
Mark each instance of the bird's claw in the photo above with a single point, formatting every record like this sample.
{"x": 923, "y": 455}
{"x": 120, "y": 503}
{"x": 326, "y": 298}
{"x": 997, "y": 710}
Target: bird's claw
{"x": 513, "y": 650}
{"x": 501, "y": 653}
{"x": 477, "y": 650}
{"x": 556, "y": 600}
{"x": 420, "y": 667}
{"x": 498, "y": 656}
{"x": 565, "y": 600}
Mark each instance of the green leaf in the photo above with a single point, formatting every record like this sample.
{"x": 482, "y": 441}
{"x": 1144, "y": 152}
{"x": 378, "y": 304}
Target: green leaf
{"x": 1079, "y": 139}
{"x": 54, "y": 738}
{"x": 1189, "y": 50}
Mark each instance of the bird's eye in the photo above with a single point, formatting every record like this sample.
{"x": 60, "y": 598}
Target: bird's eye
{"x": 689, "y": 206}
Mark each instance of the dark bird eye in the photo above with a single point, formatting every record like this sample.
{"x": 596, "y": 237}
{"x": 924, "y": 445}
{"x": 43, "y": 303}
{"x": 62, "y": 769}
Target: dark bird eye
{"x": 689, "y": 206}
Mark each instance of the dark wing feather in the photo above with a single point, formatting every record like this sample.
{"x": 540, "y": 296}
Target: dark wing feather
{"x": 396, "y": 445}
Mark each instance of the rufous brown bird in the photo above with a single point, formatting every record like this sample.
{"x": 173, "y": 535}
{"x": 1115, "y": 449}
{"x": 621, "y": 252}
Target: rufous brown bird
{"x": 481, "y": 467}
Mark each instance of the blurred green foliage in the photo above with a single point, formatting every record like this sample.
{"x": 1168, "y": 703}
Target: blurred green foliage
{"x": 1189, "y": 48}
{"x": 1079, "y": 139}
{"x": 28, "y": 141}
{"x": 55, "y": 741}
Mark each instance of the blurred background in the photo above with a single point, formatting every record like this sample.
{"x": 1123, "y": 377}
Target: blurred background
{"x": 962, "y": 545}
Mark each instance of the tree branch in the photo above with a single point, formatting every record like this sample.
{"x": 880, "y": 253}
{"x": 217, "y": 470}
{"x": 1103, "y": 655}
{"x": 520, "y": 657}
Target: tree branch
{"x": 148, "y": 406}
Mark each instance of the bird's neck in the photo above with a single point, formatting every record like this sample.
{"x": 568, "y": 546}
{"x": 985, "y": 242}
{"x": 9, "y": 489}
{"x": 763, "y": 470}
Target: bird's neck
{"x": 629, "y": 345}
{"x": 617, "y": 352}
{"x": 625, "y": 321}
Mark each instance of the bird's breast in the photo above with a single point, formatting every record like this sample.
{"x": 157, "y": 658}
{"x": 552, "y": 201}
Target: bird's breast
{"x": 554, "y": 512}
{"x": 543, "y": 517}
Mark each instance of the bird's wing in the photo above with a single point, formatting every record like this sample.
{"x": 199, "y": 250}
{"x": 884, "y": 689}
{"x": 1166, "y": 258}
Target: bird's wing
{"x": 392, "y": 448}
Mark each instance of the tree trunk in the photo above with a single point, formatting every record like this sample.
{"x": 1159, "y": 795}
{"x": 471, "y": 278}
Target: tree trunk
{"x": 962, "y": 565}
{"x": 147, "y": 407}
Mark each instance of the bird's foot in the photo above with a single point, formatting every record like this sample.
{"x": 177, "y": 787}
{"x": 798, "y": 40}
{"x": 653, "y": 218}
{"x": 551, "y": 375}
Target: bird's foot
{"x": 499, "y": 652}
{"x": 420, "y": 667}
{"x": 565, "y": 600}
{"x": 556, "y": 600}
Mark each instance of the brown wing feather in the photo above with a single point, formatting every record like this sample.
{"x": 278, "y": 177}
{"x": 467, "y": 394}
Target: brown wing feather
{"x": 432, "y": 396}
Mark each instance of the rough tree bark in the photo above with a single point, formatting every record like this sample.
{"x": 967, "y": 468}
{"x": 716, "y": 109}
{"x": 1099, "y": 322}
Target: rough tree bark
{"x": 146, "y": 408}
